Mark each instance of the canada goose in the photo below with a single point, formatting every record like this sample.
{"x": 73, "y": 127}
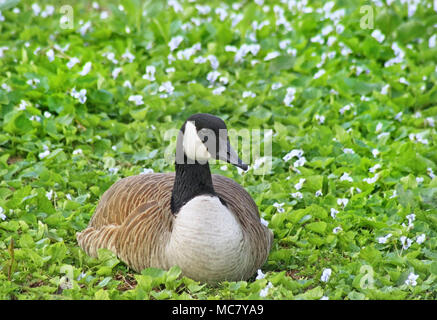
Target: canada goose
{"x": 206, "y": 224}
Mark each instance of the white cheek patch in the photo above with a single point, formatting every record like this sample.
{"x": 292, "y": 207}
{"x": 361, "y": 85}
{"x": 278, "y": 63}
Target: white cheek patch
{"x": 193, "y": 146}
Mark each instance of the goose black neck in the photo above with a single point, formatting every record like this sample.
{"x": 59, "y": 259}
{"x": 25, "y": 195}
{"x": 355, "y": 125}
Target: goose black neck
{"x": 191, "y": 180}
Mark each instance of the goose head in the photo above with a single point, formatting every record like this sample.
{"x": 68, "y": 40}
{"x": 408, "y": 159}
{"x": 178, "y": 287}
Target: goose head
{"x": 204, "y": 137}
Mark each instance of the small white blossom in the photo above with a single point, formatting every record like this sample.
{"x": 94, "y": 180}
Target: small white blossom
{"x": 49, "y": 194}
{"x": 326, "y": 274}
{"x": 279, "y": 207}
{"x": 406, "y": 242}
{"x": 289, "y": 96}
{"x": 104, "y": 15}
{"x": 337, "y": 230}
{"x": 421, "y": 239}
{"x": 127, "y": 84}
{"x": 147, "y": 171}
{"x": 272, "y": 55}
{"x": 374, "y": 168}
{"x": 80, "y": 95}
{"x": 348, "y": 150}
{"x": 384, "y": 239}
{"x": 150, "y": 73}
{"x": 319, "y": 73}
{"x": 300, "y": 162}
{"x": 346, "y": 177}
{"x": 167, "y": 87}
{"x": 44, "y": 154}
{"x": 137, "y": 99}
{"x": 2, "y": 215}
{"x": 219, "y": 90}
{"x": 260, "y": 275}
{"x": 375, "y": 152}
{"x": 342, "y": 202}
{"x": 77, "y": 151}
{"x": 33, "y": 82}
{"x": 264, "y": 222}
{"x": 430, "y": 173}
{"x": 128, "y": 56}
{"x": 371, "y": 180}
{"x": 321, "y": 119}
{"x": 249, "y": 94}
{"x": 319, "y": 193}
{"x": 299, "y": 185}
{"x": 384, "y": 89}
{"x": 86, "y": 69}
{"x": 73, "y": 61}
{"x": 50, "y": 55}
{"x": 411, "y": 280}
{"x": 297, "y": 195}
{"x": 116, "y": 72}
{"x": 334, "y": 213}
{"x": 293, "y": 153}
{"x": 263, "y": 293}
{"x": 377, "y": 34}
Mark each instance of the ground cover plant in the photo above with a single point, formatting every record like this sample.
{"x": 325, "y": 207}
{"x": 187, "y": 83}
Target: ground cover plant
{"x": 88, "y": 89}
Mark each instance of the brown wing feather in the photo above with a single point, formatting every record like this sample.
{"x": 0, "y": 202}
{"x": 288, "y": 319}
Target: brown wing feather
{"x": 133, "y": 219}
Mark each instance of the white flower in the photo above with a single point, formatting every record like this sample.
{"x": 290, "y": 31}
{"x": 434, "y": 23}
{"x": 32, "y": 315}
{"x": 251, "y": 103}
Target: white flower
{"x": 137, "y": 99}
{"x": 430, "y": 173}
{"x": 212, "y": 76}
{"x": 47, "y": 114}
{"x": 384, "y": 239}
{"x": 394, "y": 195}
{"x": 293, "y": 153}
{"x": 411, "y": 280}
{"x": 319, "y": 193}
{"x": 371, "y": 180}
{"x": 279, "y": 207}
{"x": 6, "y": 87}
{"x": 167, "y": 87}
{"x": 36, "y": 9}
{"x": 77, "y": 151}
{"x": 377, "y": 34}
{"x": 276, "y": 85}
{"x": 219, "y": 90}
{"x": 33, "y": 82}
{"x": 2, "y": 215}
{"x": 264, "y": 222}
{"x": 420, "y": 239}
{"x": 342, "y": 202}
{"x": 175, "y": 42}
{"x": 319, "y": 73}
{"x": 346, "y": 177}
{"x": 80, "y": 95}
{"x": 299, "y": 185}
{"x": 337, "y": 230}
{"x": 116, "y": 72}
{"x": 406, "y": 242}
{"x": 50, "y": 55}
{"x": 49, "y": 194}
{"x": 432, "y": 41}
{"x": 260, "y": 275}
{"x": 374, "y": 168}
{"x": 297, "y": 195}
{"x": 419, "y": 180}
{"x": 289, "y": 96}
{"x": 84, "y": 29}
{"x": 300, "y": 162}
{"x": 430, "y": 121}
{"x": 150, "y": 73}
{"x": 175, "y": 5}
{"x": 113, "y": 170}
{"x": 110, "y": 56}
{"x": 249, "y": 94}
{"x": 23, "y": 104}
{"x": 272, "y": 55}
{"x": 104, "y": 15}
{"x": 73, "y": 61}
{"x": 326, "y": 274}
{"x": 86, "y": 69}
{"x": 334, "y": 213}
{"x": 147, "y": 171}
{"x": 284, "y": 44}
{"x": 384, "y": 89}
{"x": 348, "y": 150}
{"x": 128, "y": 56}
{"x": 44, "y": 154}
{"x": 205, "y": 9}
{"x": 375, "y": 152}
{"x": 411, "y": 218}
{"x": 263, "y": 293}
{"x": 321, "y": 119}
{"x": 127, "y": 84}
{"x": 345, "y": 108}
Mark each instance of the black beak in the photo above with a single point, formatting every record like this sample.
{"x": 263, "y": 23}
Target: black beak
{"x": 228, "y": 154}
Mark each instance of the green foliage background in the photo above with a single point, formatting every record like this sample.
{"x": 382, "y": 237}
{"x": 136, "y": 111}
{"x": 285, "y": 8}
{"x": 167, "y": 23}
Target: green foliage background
{"x": 46, "y": 200}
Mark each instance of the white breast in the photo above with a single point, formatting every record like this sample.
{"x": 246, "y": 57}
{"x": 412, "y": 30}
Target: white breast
{"x": 207, "y": 241}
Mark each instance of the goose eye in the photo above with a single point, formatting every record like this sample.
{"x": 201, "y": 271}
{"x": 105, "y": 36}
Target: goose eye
{"x": 204, "y": 139}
